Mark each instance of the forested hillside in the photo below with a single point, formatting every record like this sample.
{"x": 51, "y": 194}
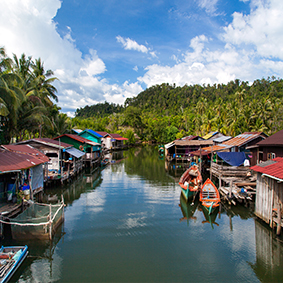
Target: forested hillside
{"x": 164, "y": 112}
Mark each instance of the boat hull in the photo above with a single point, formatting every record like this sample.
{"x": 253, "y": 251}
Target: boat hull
{"x": 188, "y": 194}
{"x": 22, "y": 252}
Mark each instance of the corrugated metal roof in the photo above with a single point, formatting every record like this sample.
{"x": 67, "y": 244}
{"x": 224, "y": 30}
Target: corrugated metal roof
{"x": 94, "y": 133}
{"x": 222, "y": 139}
{"x": 48, "y": 142}
{"x": 191, "y": 137}
{"x": 274, "y": 140}
{"x": 77, "y": 130}
{"x": 26, "y": 149}
{"x": 192, "y": 142}
{"x": 79, "y": 138}
{"x": 75, "y": 152}
{"x": 103, "y": 134}
{"x": 273, "y": 169}
{"x": 118, "y": 137}
{"x": 209, "y": 135}
{"x": 12, "y": 161}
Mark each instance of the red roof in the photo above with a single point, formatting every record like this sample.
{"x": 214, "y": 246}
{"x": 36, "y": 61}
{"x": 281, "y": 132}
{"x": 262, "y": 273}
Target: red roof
{"x": 78, "y": 138}
{"x": 272, "y": 167}
{"x": 27, "y": 150}
{"x": 11, "y": 161}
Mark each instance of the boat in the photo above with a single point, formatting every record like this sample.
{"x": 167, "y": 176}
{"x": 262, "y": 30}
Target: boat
{"x": 190, "y": 182}
{"x": 209, "y": 196}
{"x": 10, "y": 260}
{"x": 104, "y": 162}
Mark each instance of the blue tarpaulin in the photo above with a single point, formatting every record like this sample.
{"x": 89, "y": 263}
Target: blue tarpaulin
{"x": 233, "y": 158}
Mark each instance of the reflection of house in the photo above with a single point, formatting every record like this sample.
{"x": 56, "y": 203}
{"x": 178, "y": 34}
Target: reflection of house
{"x": 268, "y": 148}
{"x": 90, "y": 148}
{"x": 112, "y": 141}
{"x": 21, "y": 165}
{"x": 269, "y": 255}
{"x": 64, "y": 160}
{"x": 269, "y": 188}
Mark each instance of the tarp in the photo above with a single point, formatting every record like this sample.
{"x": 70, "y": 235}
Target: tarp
{"x": 233, "y": 158}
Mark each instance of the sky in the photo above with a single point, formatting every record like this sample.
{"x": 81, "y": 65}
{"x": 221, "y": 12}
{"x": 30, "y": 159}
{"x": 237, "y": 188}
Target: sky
{"x": 111, "y": 50}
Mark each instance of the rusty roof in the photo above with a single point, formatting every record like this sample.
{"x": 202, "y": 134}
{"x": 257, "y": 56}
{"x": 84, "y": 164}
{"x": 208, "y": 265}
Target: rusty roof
{"x": 26, "y": 149}
{"x": 272, "y": 168}
{"x": 193, "y": 142}
{"x": 236, "y": 141}
{"x": 48, "y": 142}
{"x": 13, "y": 161}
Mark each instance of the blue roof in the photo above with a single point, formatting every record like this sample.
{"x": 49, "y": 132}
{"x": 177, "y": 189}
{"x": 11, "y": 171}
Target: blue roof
{"x": 93, "y": 133}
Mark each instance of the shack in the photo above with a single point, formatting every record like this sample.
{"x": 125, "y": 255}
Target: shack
{"x": 212, "y": 136}
{"x": 267, "y": 149}
{"x": 64, "y": 160}
{"x": 269, "y": 192}
{"x": 21, "y": 170}
{"x": 89, "y": 148}
{"x": 112, "y": 141}
{"x": 180, "y": 150}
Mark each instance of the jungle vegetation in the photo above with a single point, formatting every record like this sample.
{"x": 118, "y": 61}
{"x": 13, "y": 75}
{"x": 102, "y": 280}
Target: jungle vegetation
{"x": 164, "y": 112}
{"x": 160, "y": 113}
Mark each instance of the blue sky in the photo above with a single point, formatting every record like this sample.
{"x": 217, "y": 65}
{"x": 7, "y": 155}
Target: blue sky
{"x": 111, "y": 50}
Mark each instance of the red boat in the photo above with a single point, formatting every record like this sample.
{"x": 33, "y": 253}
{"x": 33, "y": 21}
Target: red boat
{"x": 209, "y": 196}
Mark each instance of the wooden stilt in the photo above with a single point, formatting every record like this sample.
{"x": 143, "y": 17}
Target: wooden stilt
{"x": 278, "y": 230}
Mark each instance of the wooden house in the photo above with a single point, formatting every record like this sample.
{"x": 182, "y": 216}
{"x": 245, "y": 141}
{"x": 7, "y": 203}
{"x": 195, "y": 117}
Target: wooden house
{"x": 180, "y": 150}
{"x": 21, "y": 167}
{"x": 269, "y": 192}
{"x": 91, "y": 135}
{"x": 267, "y": 149}
{"x": 112, "y": 141}
{"x": 64, "y": 160}
{"x": 90, "y": 148}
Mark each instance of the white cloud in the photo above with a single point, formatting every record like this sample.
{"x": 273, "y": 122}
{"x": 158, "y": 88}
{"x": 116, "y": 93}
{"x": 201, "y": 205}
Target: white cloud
{"x": 208, "y": 5}
{"x": 262, "y": 28}
{"x": 28, "y": 27}
{"x": 130, "y": 44}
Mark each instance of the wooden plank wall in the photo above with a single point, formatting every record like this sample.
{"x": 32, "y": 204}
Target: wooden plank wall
{"x": 269, "y": 197}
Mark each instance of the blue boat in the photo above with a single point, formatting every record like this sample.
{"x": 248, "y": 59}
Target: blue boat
{"x": 10, "y": 260}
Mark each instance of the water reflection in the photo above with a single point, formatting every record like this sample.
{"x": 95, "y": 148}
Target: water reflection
{"x": 269, "y": 254}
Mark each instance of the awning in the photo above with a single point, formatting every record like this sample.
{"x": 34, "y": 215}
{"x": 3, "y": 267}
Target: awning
{"x": 168, "y": 145}
{"x": 233, "y": 158}
{"x": 75, "y": 152}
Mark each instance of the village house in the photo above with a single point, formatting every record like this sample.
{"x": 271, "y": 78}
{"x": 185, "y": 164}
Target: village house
{"x": 212, "y": 136}
{"x": 92, "y": 150}
{"x": 269, "y": 188}
{"x": 21, "y": 168}
{"x": 112, "y": 141}
{"x": 65, "y": 161}
{"x": 180, "y": 150}
{"x": 268, "y": 148}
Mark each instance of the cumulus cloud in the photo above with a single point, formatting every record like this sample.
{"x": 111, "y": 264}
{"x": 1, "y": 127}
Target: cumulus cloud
{"x": 28, "y": 27}
{"x": 130, "y": 44}
{"x": 262, "y": 28}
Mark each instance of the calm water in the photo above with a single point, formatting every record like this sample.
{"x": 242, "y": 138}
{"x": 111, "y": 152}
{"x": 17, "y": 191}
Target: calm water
{"x": 128, "y": 223}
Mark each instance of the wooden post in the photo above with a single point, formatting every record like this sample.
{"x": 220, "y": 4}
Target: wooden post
{"x": 200, "y": 160}
{"x": 211, "y": 158}
{"x": 220, "y": 182}
{"x": 230, "y": 189}
{"x": 278, "y": 230}
{"x": 50, "y": 222}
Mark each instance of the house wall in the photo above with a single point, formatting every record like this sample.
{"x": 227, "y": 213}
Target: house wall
{"x": 90, "y": 137}
{"x": 272, "y": 149}
{"x": 73, "y": 142}
{"x": 269, "y": 194}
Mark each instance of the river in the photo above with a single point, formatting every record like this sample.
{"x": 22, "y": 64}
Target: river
{"x": 128, "y": 223}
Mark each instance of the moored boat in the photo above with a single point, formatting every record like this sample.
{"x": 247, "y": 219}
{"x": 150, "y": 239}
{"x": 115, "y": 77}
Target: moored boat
{"x": 190, "y": 182}
{"x": 10, "y": 260}
{"x": 209, "y": 196}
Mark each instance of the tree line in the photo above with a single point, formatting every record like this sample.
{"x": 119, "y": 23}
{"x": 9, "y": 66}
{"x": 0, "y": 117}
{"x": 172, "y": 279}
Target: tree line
{"x": 165, "y": 112}
{"x": 160, "y": 113}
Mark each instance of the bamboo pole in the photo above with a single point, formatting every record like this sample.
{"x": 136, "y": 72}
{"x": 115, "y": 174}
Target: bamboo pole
{"x": 50, "y": 223}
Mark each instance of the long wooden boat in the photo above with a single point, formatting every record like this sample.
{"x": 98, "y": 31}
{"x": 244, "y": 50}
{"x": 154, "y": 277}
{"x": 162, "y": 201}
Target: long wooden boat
{"x": 190, "y": 182}
{"x": 10, "y": 260}
{"x": 210, "y": 218}
{"x": 209, "y": 196}
{"x": 188, "y": 209}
